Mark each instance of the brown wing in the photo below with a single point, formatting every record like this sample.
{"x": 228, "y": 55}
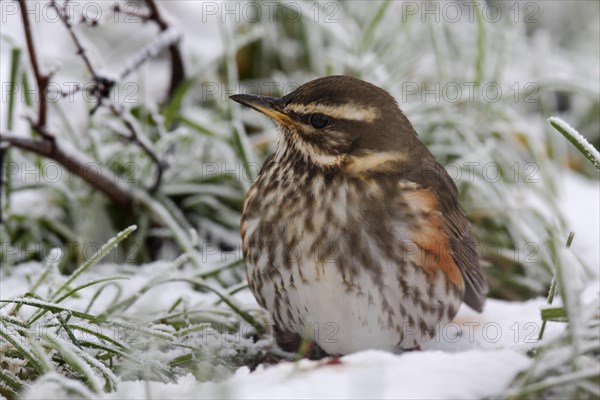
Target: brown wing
{"x": 431, "y": 175}
{"x": 465, "y": 255}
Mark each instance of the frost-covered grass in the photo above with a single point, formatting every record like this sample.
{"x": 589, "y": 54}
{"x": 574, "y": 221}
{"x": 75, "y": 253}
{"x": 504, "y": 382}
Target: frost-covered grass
{"x": 579, "y": 141}
{"x": 167, "y": 308}
{"x": 93, "y": 325}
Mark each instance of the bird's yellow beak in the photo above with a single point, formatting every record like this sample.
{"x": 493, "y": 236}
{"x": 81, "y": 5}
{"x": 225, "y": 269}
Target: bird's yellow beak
{"x": 270, "y": 106}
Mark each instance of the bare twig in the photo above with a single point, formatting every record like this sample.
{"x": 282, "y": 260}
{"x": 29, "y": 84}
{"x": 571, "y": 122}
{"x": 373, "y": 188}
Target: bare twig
{"x": 41, "y": 130}
{"x": 139, "y": 139}
{"x": 177, "y": 69}
{"x": 165, "y": 40}
{"x": 154, "y": 15}
{"x": 89, "y": 21}
{"x": 50, "y": 148}
{"x": 41, "y": 79}
{"x": 102, "y": 85}
{"x": 74, "y": 164}
{"x": 116, "y": 8}
{"x": 64, "y": 17}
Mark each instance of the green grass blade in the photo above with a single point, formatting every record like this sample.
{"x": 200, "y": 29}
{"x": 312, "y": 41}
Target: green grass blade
{"x": 11, "y": 383}
{"x": 226, "y": 299}
{"x": 88, "y": 284}
{"x": 125, "y": 303}
{"x": 77, "y": 363}
{"x": 41, "y": 356}
{"x": 46, "y": 306}
{"x": 171, "y": 110}
{"x": 577, "y": 140}
{"x": 104, "y": 250}
{"x": 198, "y": 127}
{"x": 554, "y": 314}
{"x": 14, "y": 69}
{"x": 17, "y": 342}
{"x": 374, "y": 23}
{"x": 51, "y": 262}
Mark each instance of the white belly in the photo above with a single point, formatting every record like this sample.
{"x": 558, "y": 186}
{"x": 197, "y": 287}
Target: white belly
{"x": 342, "y": 321}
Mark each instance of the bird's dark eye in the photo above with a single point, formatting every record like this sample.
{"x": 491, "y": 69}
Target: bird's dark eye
{"x": 318, "y": 121}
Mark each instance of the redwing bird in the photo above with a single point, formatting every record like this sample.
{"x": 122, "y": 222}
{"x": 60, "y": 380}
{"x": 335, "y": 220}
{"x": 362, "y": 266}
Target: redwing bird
{"x": 352, "y": 233}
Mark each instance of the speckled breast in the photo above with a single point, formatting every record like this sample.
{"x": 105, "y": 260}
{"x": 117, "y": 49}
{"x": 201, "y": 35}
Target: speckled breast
{"x": 335, "y": 259}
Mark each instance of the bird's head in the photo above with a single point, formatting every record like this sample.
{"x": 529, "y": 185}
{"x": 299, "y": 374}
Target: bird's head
{"x": 339, "y": 122}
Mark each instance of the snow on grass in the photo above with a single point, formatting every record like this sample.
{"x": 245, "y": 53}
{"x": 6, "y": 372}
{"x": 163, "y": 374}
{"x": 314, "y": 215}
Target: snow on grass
{"x": 443, "y": 370}
{"x": 54, "y": 386}
{"x": 491, "y": 346}
{"x": 577, "y": 139}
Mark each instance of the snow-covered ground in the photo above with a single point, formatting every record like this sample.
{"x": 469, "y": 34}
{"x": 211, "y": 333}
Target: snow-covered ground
{"x": 581, "y": 207}
{"x": 476, "y": 356}
{"x": 368, "y": 374}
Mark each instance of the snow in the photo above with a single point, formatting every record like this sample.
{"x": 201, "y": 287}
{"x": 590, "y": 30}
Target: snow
{"x": 54, "y": 386}
{"x": 28, "y": 202}
{"x": 368, "y": 374}
{"x": 491, "y": 353}
{"x": 580, "y": 204}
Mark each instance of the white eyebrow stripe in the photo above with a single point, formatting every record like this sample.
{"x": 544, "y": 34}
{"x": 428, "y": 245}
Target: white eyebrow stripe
{"x": 349, "y": 111}
{"x": 373, "y": 161}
